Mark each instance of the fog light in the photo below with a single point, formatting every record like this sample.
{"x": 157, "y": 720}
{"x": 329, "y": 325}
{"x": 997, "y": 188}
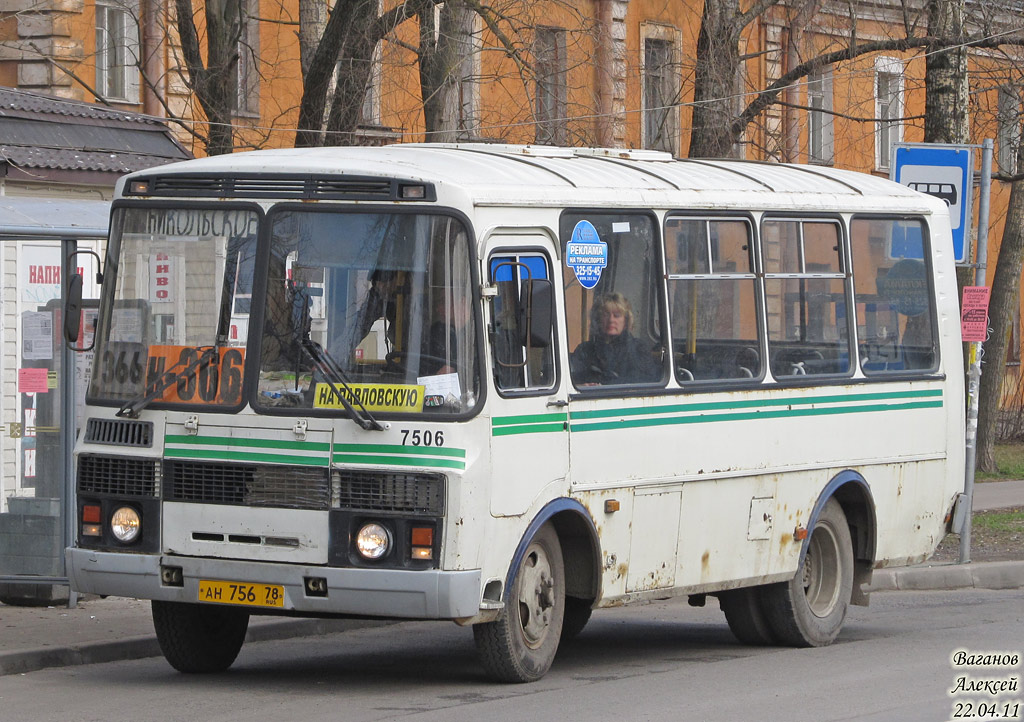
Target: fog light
{"x": 125, "y": 524}
{"x": 422, "y": 553}
{"x": 92, "y": 530}
{"x": 373, "y": 541}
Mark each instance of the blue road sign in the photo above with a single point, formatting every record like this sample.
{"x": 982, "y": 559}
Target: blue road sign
{"x": 943, "y": 171}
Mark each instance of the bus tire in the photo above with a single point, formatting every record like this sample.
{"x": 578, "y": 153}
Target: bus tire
{"x": 808, "y": 610}
{"x": 745, "y": 614}
{"x": 199, "y": 638}
{"x": 577, "y": 614}
{"x": 521, "y": 644}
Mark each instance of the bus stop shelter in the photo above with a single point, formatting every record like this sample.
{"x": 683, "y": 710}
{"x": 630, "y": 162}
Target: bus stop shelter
{"x": 43, "y": 385}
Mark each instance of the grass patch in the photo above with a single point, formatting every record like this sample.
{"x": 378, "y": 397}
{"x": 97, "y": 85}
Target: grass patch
{"x": 1009, "y": 459}
{"x": 999, "y": 521}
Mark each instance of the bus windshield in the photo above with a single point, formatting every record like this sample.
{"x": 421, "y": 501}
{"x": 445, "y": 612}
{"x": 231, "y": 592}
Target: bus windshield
{"x": 173, "y": 328}
{"x": 368, "y": 309}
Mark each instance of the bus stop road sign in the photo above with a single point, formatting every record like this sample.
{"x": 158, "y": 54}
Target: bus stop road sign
{"x": 943, "y": 171}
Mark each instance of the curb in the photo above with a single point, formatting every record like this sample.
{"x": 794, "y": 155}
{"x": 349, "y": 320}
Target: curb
{"x": 32, "y": 660}
{"x": 988, "y": 575}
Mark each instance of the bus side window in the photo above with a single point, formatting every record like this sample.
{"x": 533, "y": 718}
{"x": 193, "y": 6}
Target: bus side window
{"x": 712, "y": 299}
{"x": 613, "y": 307}
{"x": 895, "y": 317}
{"x": 805, "y": 294}
{"x": 521, "y": 335}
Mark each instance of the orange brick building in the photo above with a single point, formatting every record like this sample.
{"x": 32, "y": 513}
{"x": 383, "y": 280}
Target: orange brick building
{"x": 574, "y": 72}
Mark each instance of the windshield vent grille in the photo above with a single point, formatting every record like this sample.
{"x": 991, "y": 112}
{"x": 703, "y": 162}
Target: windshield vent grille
{"x": 397, "y": 492}
{"x": 289, "y": 487}
{"x": 279, "y": 187}
{"x": 123, "y": 476}
{"x": 119, "y": 432}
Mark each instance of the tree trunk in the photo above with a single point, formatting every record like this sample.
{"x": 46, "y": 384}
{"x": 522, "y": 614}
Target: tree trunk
{"x": 714, "y": 90}
{"x": 312, "y": 22}
{"x": 216, "y": 83}
{"x": 1005, "y": 297}
{"x": 355, "y": 67}
{"x": 440, "y": 56}
{"x": 946, "y": 101}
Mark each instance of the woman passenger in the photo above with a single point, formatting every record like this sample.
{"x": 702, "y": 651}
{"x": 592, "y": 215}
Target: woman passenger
{"x": 612, "y": 355}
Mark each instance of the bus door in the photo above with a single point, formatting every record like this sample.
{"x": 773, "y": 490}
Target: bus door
{"x": 529, "y": 436}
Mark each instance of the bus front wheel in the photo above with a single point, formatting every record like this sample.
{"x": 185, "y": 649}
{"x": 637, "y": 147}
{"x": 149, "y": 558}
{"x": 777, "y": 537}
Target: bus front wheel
{"x": 808, "y": 610}
{"x": 521, "y": 644}
{"x": 199, "y": 638}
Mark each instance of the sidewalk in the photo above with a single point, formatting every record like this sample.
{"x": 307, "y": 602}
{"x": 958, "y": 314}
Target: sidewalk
{"x": 105, "y": 630}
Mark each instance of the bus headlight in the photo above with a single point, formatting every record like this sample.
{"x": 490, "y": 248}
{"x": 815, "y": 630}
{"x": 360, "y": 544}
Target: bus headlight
{"x": 373, "y": 541}
{"x": 125, "y": 524}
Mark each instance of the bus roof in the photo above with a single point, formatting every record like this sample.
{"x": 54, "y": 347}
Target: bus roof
{"x": 493, "y": 173}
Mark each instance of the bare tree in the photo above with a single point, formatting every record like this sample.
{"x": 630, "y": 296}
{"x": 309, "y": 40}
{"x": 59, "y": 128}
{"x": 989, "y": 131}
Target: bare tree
{"x": 215, "y": 81}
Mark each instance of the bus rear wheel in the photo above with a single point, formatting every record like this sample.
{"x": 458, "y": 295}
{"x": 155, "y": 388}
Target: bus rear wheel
{"x": 521, "y": 644}
{"x": 808, "y": 610}
{"x": 199, "y": 638}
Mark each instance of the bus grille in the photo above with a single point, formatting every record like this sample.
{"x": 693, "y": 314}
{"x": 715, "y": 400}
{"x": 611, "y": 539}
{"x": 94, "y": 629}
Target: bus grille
{"x": 123, "y": 476}
{"x": 119, "y": 432}
{"x": 281, "y": 186}
{"x": 397, "y": 492}
{"x": 290, "y": 487}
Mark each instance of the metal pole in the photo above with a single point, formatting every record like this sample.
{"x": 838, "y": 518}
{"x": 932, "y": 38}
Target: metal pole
{"x": 67, "y": 416}
{"x": 974, "y": 375}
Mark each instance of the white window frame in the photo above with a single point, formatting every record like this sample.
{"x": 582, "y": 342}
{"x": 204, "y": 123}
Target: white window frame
{"x": 820, "y": 125}
{"x": 117, "y": 54}
{"x": 670, "y": 87}
{"x": 888, "y": 112}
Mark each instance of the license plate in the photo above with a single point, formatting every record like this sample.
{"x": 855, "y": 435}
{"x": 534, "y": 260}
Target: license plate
{"x": 249, "y": 595}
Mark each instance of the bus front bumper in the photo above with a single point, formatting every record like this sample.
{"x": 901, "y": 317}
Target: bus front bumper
{"x": 421, "y": 594}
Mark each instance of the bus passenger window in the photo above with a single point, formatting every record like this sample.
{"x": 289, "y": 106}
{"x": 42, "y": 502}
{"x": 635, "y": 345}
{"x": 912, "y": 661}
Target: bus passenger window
{"x": 712, "y": 299}
{"x": 521, "y": 336}
{"x": 612, "y": 304}
{"x": 895, "y": 319}
{"x": 805, "y": 294}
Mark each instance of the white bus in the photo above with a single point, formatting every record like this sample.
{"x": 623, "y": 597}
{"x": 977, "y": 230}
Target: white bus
{"x": 507, "y": 385}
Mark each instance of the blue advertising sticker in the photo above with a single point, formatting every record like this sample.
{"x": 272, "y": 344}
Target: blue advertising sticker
{"x": 586, "y": 254}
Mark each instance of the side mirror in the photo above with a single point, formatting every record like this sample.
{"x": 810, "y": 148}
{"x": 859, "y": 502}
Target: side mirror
{"x": 73, "y": 309}
{"x": 535, "y": 314}
{"x": 73, "y": 302}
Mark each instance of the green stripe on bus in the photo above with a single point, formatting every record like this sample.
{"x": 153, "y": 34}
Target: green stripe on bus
{"x": 753, "y": 403}
{"x": 225, "y": 455}
{"x": 528, "y": 429}
{"x": 529, "y": 419}
{"x": 259, "y": 443}
{"x": 399, "y": 461}
{"x": 396, "y": 449}
{"x": 750, "y": 415}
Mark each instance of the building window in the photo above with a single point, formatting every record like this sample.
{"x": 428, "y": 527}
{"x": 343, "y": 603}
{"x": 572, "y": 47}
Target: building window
{"x": 660, "y": 95}
{"x": 247, "y": 98}
{"x": 1009, "y": 128}
{"x": 888, "y": 109}
{"x": 820, "y": 145}
{"x": 550, "y": 111}
{"x": 117, "y": 50}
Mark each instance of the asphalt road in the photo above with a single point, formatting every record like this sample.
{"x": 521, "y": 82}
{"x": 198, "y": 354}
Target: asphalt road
{"x": 665, "y": 661}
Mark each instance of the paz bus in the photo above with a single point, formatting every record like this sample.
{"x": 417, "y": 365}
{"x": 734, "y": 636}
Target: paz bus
{"x": 508, "y": 385}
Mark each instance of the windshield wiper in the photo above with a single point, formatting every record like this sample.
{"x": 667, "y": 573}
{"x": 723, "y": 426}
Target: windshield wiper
{"x": 131, "y": 409}
{"x": 333, "y": 375}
